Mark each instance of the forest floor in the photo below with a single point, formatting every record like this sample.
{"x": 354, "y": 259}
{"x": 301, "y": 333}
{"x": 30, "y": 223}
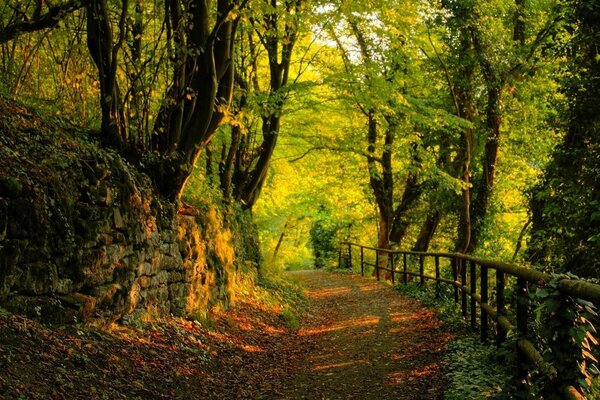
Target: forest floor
{"x": 356, "y": 339}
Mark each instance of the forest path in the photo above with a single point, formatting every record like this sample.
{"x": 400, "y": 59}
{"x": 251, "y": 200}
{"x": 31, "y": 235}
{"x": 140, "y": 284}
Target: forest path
{"x": 366, "y": 342}
{"x": 357, "y": 339}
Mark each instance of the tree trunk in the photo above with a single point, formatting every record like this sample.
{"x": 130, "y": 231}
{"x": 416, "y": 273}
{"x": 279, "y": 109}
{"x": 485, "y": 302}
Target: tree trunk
{"x": 412, "y": 192}
{"x": 280, "y": 241}
{"x": 251, "y": 167}
{"x": 483, "y": 188}
{"x": 427, "y": 231}
{"x": 464, "y": 99}
{"x": 200, "y": 94}
{"x": 104, "y": 53}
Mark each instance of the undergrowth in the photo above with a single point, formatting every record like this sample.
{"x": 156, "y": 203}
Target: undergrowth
{"x": 474, "y": 369}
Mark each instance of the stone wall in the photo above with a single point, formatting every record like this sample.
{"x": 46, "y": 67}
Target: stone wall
{"x": 82, "y": 236}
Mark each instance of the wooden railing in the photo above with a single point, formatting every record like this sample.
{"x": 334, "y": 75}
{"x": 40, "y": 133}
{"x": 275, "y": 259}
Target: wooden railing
{"x": 473, "y": 293}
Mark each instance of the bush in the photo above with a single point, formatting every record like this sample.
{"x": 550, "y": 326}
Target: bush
{"x": 323, "y": 240}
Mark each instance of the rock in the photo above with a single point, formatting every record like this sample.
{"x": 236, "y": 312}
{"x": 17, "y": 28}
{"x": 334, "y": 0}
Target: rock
{"x": 84, "y": 304}
{"x": 147, "y": 268}
{"x": 64, "y": 286}
{"x": 160, "y": 279}
{"x": 119, "y": 221}
{"x": 134, "y": 297}
{"x": 176, "y": 276}
{"x": 97, "y": 239}
{"x": 38, "y": 278}
{"x": 144, "y": 281}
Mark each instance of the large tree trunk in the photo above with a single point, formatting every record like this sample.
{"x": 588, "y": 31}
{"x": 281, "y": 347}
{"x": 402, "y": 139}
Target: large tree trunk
{"x": 201, "y": 91}
{"x": 104, "y": 52}
{"x": 483, "y": 188}
{"x": 463, "y": 93}
{"x": 411, "y": 194}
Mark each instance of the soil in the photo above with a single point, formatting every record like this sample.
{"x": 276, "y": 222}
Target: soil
{"x": 369, "y": 342}
{"x": 356, "y": 339}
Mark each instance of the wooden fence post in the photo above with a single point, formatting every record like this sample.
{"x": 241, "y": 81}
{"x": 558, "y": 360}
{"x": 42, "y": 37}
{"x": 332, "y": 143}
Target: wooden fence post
{"x": 500, "y": 333}
{"x": 437, "y": 278}
{"x": 362, "y": 261}
{"x": 422, "y": 270}
{"x": 473, "y": 276}
{"x": 391, "y": 265}
{"x": 463, "y": 282}
{"x": 349, "y": 265}
{"x": 522, "y": 309}
{"x": 377, "y": 263}
{"x": 453, "y": 262}
{"x": 484, "y": 300}
{"x": 404, "y": 269}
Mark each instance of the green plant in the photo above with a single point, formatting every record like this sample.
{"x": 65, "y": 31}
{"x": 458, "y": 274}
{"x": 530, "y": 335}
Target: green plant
{"x": 568, "y": 335}
{"x": 323, "y": 239}
{"x": 205, "y": 320}
{"x": 281, "y": 292}
{"x": 290, "y": 318}
{"x": 474, "y": 369}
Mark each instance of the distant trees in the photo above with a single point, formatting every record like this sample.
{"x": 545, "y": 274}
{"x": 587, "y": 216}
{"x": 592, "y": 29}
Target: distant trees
{"x": 246, "y": 158}
{"x": 323, "y": 238}
{"x": 376, "y": 67}
{"x": 446, "y": 110}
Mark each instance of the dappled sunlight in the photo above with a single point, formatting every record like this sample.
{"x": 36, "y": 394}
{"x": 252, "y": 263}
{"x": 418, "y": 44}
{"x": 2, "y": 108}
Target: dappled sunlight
{"x": 339, "y": 365}
{"x": 403, "y": 317}
{"x": 368, "y": 287}
{"x": 247, "y": 325}
{"x": 328, "y": 292}
{"x": 368, "y": 320}
{"x": 250, "y": 348}
{"x": 413, "y": 327}
{"x": 400, "y": 377}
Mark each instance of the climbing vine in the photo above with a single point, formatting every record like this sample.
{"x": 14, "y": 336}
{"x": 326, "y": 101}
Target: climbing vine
{"x": 568, "y": 334}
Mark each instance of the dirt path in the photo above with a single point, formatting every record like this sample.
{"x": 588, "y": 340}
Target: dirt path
{"x": 367, "y": 342}
{"x": 358, "y": 339}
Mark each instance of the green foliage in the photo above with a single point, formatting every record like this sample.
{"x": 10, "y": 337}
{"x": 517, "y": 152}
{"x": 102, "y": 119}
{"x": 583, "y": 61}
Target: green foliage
{"x": 282, "y": 292}
{"x": 565, "y": 204}
{"x": 204, "y": 320}
{"x": 199, "y": 192}
{"x": 474, "y": 371}
{"x": 290, "y": 318}
{"x": 567, "y": 333}
{"x": 323, "y": 239}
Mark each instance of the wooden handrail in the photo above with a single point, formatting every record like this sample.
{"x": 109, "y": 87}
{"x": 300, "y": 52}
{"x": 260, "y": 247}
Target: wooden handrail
{"x": 525, "y": 275}
{"x": 572, "y": 287}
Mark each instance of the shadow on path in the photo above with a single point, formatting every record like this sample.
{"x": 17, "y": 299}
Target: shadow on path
{"x": 366, "y": 342}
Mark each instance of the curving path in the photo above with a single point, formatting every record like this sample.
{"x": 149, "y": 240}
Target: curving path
{"x": 366, "y": 341}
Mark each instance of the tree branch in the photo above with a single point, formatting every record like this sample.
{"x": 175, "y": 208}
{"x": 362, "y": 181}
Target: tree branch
{"x": 45, "y": 21}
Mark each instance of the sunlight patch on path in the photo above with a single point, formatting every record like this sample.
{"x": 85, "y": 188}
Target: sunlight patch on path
{"x": 366, "y": 342}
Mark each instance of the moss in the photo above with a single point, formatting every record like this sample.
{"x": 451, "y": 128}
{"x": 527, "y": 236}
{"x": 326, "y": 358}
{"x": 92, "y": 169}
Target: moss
{"x": 10, "y": 186}
{"x": 67, "y": 199}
